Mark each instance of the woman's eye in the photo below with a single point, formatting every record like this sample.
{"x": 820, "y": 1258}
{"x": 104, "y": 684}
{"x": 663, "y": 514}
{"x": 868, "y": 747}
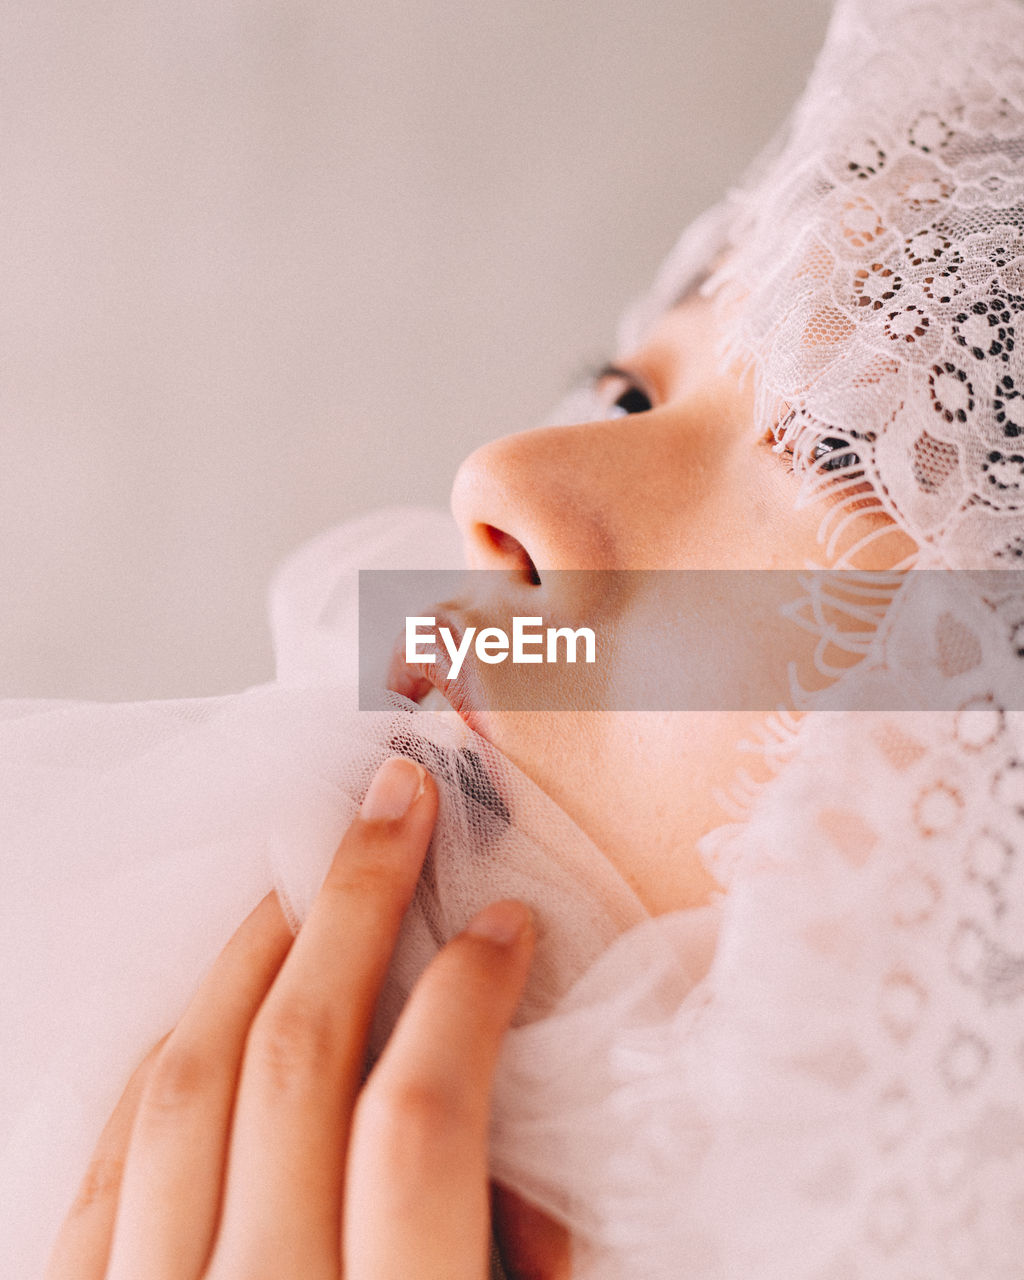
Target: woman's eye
{"x": 834, "y": 454}
{"x": 633, "y": 400}
{"x": 631, "y": 397}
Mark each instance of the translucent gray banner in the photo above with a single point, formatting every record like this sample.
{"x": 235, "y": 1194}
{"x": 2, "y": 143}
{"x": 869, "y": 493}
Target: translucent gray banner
{"x": 693, "y": 640}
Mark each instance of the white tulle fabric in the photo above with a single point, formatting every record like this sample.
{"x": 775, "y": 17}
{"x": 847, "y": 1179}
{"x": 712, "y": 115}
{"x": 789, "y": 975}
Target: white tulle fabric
{"x": 136, "y": 837}
{"x": 821, "y": 1075}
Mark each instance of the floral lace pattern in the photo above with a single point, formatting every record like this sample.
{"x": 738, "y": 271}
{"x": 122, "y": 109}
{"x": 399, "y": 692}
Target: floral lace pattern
{"x": 878, "y": 292}
{"x": 879, "y": 274}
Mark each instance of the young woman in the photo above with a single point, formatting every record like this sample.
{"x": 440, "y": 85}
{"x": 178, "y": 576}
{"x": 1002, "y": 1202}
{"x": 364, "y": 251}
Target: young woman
{"x": 783, "y": 1045}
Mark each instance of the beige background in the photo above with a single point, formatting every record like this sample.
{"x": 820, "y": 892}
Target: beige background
{"x": 270, "y": 264}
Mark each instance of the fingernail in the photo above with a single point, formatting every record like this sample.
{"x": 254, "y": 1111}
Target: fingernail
{"x": 501, "y": 922}
{"x": 396, "y": 786}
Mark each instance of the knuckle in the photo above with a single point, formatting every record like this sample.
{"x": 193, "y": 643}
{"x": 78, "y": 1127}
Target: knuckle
{"x": 293, "y": 1041}
{"x": 179, "y": 1077}
{"x": 410, "y": 1115}
{"x": 366, "y": 876}
{"x": 472, "y": 976}
{"x": 101, "y": 1184}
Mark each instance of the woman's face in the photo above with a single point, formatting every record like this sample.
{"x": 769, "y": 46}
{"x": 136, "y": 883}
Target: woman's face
{"x": 681, "y": 480}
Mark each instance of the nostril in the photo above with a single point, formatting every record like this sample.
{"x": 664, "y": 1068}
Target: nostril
{"x": 511, "y": 551}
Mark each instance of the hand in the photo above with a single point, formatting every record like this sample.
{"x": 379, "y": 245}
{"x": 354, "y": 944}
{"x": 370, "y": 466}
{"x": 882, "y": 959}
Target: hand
{"x": 246, "y": 1145}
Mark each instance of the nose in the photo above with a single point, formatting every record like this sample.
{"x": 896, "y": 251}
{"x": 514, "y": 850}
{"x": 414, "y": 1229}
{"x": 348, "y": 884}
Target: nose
{"x": 536, "y": 501}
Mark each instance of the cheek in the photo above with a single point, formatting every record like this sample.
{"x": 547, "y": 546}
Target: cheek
{"x": 696, "y": 514}
{"x": 662, "y": 776}
{"x": 766, "y": 527}
{"x": 719, "y": 499}
{"x": 642, "y": 785}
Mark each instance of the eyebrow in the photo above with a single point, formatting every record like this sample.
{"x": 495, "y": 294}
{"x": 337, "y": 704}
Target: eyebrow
{"x": 695, "y": 285}
{"x": 612, "y": 371}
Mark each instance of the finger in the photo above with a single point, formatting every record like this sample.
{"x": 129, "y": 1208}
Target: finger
{"x": 532, "y": 1245}
{"x": 418, "y": 1192}
{"x": 82, "y": 1247}
{"x": 170, "y": 1193}
{"x": 305, "y": 1054}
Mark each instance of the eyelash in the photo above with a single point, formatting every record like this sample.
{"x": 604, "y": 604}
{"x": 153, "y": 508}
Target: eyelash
{"x": 845, "y": 457}
{"x": 838, "y": 455}
{"x": 634, "y": 399}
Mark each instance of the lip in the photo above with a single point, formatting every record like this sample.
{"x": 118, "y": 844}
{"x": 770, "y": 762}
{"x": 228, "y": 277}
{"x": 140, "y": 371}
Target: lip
{"x": 415, "y": 680}
{"x": 471, "y": 769}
